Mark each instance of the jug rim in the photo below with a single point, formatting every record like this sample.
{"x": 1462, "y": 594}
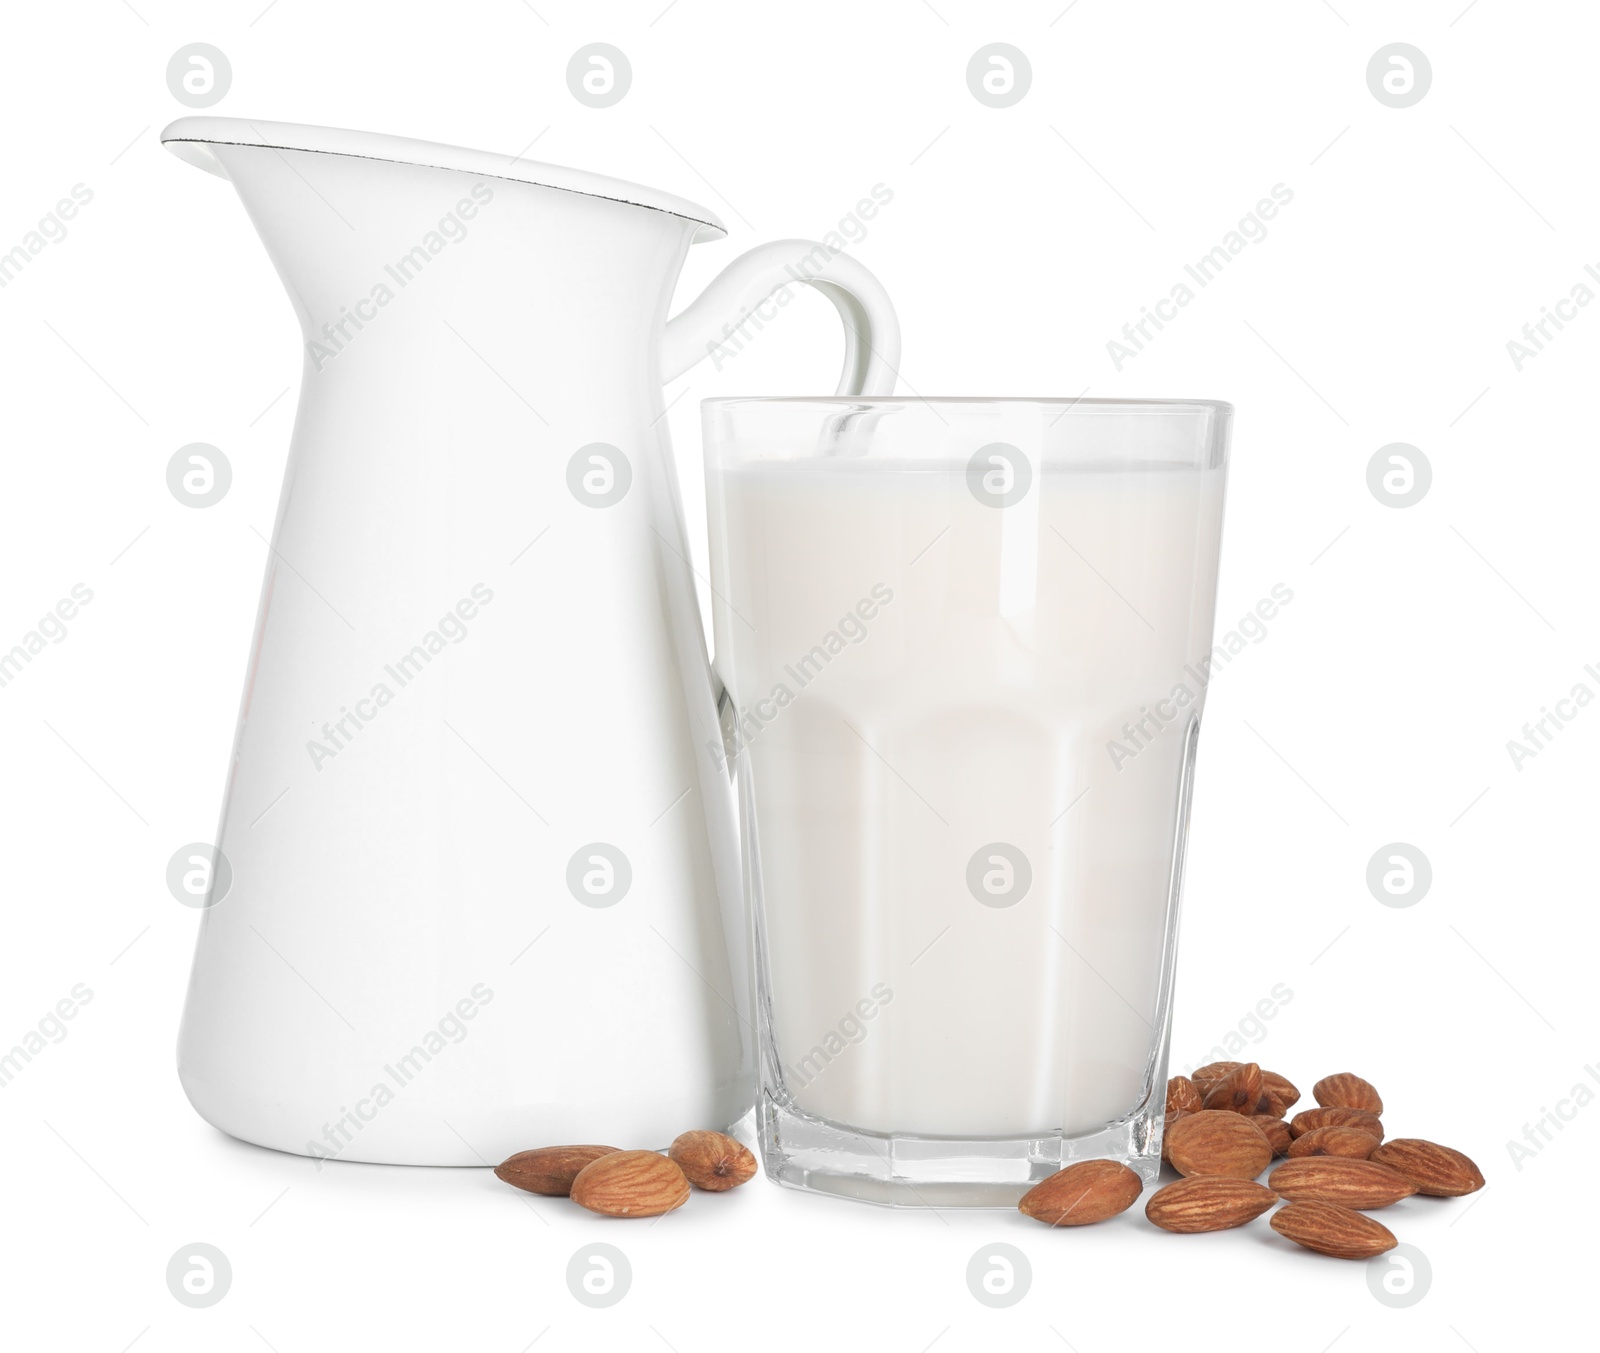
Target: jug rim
{"x": 191, "y": 139}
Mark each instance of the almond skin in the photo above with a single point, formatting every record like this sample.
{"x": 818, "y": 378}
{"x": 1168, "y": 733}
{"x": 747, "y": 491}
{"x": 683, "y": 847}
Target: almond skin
{"x": 1082, "y": 1194}
{"x": 712, "y": 1161}
{"x": 1276, "y": 1131}
{"x": 1218, "y": 1142}
{"x": 1183, "y": 1095}
{"x": 1306, "y": 1119}
{"x": 1208, "y": 1203}
{"x": 1347, "y": 1091}
{"x": 1330, "y": 1229}
{"x": 1335, "y": 1179}
{"x": 1282, "y": 1089}
{"x": 1238, "y": 1091}
{"x": 1436, "y": 1170}
{"x": 1351, "y": 1143}
{"x": 548, "y": 1170}
{"x": 630, "y": 1184}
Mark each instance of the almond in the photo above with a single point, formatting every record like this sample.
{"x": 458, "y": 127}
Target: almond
{"x": 1349, "y": 1142}
{"x": 1276, "y": 1131}
{"x": 1238, "y": 1091}
{"x": 712, "y": 1160}
{"x": 1306, "y": 1119}
{"x": 1346, "y": 1091}
{"x": 1282, "y": 1089}
{"x": 1183, "y": 1096}
{"x": 1208, "y": 1203}
{"x": 1330, "y": 1229}
{"x": 1335, "y": 1179}
{"x": 1205, "y": 1076}
{"x": 1084, "y": 1193}
{"x": 1218, "y": 1141}
{"x": 630, "y": 1184}
{"x": 1173, "y": 1116}
{"x": 548, "y": 1170}
{"x": 1436, "y": 1170}
{"x": 1269, "y": 1104}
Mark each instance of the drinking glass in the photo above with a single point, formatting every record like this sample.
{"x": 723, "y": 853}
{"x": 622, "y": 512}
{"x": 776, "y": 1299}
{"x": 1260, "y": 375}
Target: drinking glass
{"x": 965, "y": 645}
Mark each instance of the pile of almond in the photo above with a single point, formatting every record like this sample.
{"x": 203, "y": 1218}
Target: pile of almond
{"x": 632, "y": 1183}
{"x": 1224, "y": 1126}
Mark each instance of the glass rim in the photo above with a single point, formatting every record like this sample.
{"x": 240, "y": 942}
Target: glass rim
{"x": 1064, "y": 402}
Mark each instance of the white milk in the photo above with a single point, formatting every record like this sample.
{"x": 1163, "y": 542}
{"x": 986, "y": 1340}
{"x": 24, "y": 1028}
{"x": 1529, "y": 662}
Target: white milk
{"x": 971, "y": 670}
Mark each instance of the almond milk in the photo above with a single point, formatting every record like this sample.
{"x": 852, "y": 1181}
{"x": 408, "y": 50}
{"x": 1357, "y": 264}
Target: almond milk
{"x": 963, "y": 731}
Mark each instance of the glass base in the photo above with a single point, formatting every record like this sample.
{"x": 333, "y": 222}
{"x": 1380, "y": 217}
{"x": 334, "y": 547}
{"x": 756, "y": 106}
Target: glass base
{"x": 900, "y": 1170}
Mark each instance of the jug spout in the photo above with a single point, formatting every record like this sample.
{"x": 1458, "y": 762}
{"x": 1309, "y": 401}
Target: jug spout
{"x": 375, "y": 237}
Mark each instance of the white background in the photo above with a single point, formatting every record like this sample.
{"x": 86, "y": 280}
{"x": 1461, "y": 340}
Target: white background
{"x": 1018, "y": 242}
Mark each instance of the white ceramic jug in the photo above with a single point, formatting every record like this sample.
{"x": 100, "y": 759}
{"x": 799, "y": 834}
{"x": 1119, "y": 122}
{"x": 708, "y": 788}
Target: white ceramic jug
{"x": 478, "y": 877}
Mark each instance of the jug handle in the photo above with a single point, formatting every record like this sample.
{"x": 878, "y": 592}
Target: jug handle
{"x": 871, "y": 330}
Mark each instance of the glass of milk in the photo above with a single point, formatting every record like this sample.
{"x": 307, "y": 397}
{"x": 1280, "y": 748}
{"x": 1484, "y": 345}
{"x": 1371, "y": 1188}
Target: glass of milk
{"x": 966, "y": 644}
